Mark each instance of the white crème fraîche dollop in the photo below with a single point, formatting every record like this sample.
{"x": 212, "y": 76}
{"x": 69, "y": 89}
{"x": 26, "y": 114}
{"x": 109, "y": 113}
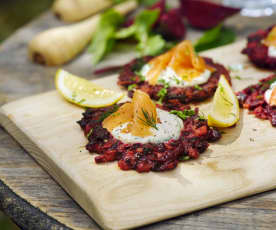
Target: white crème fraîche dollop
{"x": 169, "y": 76}
{"x": 268, "y": 92}
{"x": 272, "y": 51}
{"x": 169, "y": 128}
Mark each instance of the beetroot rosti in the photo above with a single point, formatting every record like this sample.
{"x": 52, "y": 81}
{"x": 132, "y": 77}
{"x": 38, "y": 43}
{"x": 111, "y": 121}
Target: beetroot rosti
{"x": 253, "y": 98}
{"x": 257, "y": 48}
{"x": 193, "y": 140}
{"x": 174, "y": 96}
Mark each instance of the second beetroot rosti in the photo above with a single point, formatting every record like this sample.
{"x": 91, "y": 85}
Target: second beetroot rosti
{"x": 261, "y": 48}
{"x": 175, "y": 78}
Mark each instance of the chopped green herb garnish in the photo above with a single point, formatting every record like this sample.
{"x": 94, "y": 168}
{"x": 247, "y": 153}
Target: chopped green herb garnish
{"x": 142, "y": 77}
{"x": 149, "y": 119}
{"x": 138, "y": 65}
{"x": 89, "y": 133}
{"x": 237, "y": 77}
{"x": 198, "y": 87}
{"x": 147, "y": 2}
{"x": 108, "y": 113}
{"x": 184, "y": 158}
{"x": 270, "y": 82}
{"x": 183, "y": 114}
{"x": 131, "y": 87}
{"x": 201, "y": 116}
{"x": 162, "y": 92}
{"x": 176, "y": 80}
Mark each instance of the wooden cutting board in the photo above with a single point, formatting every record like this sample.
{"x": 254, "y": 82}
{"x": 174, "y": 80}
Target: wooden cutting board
{"x": 242, "y": 163}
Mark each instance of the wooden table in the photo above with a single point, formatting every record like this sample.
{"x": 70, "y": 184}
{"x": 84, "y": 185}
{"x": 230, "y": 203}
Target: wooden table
{"x": 35, "y": 201}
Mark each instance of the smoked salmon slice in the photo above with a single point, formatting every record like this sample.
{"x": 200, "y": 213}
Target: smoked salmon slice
{"x": 182, "y": 59}
{"x": 271, "y": 38}
{"x": 136, "y": 113}
{"x": 272, "y": 100}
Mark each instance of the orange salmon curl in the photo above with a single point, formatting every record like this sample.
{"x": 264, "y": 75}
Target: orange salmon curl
{"x": 182, "y": 59}
{"x": 134, "y": 113}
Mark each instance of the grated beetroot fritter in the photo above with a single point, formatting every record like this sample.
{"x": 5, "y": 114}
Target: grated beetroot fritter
{"x": 257, "y": 52}
{"x": 177, "y": 97}
{"x": 193, "y": 140}
{"x": 252, "y": 98}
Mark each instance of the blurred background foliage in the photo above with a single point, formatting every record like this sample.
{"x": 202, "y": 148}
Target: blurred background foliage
{"x": 13, "y": 15}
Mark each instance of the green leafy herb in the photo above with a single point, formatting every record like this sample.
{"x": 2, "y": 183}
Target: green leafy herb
{"x": 184, "y": 158}
{"x": 149, "y": 119}
{"x": 217, "y": 36}
{"x": 89, "y": 134}
{"x": 141, "y": 30}
{"x": 118, "y": 1}
{"x": 270, "y": 82}
{"x": 162, "y": 92}
{"x": 176, "y": 80}
{"x": 198, "y": 87}
{"x": 147, "y": 2}
{"x": 138, "y": 65}
{"x": 237, "y": 77}
{"x": 142, "y": 77}
{"x": 103, "y": 40}
{"x": 201, "y": 116}
{"x": 183, "y": 114}
{"x": 154, "y": 45}
{"x": 131, "y": 87}
{"x": 108, "y": 113}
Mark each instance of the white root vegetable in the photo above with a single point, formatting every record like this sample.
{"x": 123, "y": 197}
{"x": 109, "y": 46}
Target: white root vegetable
{"x": 75, "y": 10}
{"x": 59, "y": 45}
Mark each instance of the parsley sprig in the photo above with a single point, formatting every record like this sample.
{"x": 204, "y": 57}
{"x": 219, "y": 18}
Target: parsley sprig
{"x": 131, "y": 87}
{"x": 162, "y": 92}
{"x": 184, "y": 114}
{"x": 149, "y": 119}
{"x": 108, "y": 113}
{"x": 197, "y": 87}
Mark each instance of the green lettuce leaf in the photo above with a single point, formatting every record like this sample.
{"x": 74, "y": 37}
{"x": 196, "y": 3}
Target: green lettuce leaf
{"x": 141, "y": 30}
{"x": 104, "y": 40}
{"x": 217, "y": 36}
{"x": 147, "y": 2}
{"x": 154, "y": 45}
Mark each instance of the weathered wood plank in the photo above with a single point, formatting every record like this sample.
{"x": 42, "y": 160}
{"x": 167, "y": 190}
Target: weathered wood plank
{"x": 19, "y": 78}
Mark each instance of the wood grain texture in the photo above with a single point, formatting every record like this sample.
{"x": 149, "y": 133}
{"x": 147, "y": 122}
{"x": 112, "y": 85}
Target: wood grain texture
{"x": 239, "y": 165}
{"x": 20, "y": 78}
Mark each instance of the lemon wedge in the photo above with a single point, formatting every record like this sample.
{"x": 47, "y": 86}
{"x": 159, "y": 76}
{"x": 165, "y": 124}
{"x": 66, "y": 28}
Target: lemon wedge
{"x": 83, "y": 92}
{"x": 225, "y": 108}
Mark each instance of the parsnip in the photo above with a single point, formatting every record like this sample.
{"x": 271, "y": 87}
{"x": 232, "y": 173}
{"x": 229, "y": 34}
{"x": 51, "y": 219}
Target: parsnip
{"x": 59, "y": 45}
{"x": 75, "y": 10}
